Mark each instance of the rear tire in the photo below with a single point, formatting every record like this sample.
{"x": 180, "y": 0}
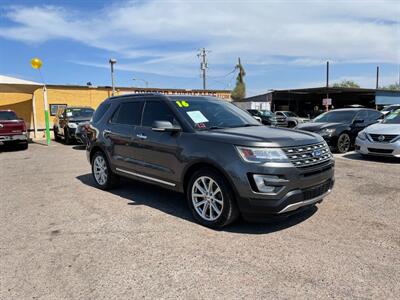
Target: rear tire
{"x": 24, "y": 146}
{"x": 211, "y": 200}
{"x": 103, "y": 177}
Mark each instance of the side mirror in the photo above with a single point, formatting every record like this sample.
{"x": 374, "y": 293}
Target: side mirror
{"x": 165, "y": 126}
{"x": 358, "y": 121}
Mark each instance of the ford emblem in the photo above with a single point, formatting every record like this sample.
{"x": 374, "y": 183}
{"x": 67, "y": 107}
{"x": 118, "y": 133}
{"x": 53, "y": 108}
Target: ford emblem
{"x": 316, "y": 153}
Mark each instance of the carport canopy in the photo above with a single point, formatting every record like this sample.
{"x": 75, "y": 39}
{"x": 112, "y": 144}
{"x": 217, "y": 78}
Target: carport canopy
{"x": 15, "y": 85}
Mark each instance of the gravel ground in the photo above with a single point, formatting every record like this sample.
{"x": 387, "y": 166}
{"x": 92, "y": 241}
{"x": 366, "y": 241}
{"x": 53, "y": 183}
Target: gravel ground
{"x": 61, "y": 238}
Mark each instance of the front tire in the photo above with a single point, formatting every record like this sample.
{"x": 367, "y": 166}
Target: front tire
{"x": 343, "y": 143}
{"x": 211, "y": 200}
{"x": 103, "y": 177}
{"x": 67, "y": 137}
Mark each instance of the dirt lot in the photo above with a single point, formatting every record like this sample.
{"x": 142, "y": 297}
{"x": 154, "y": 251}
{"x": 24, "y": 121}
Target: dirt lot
{"x": 61, "y": 238}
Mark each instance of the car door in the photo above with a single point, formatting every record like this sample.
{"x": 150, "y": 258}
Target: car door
{"x": 158, "y": 152}
{"x": 119, "y": 132}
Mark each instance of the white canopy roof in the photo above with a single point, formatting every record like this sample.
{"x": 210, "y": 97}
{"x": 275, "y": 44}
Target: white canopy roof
{"x": 12, "y": 80}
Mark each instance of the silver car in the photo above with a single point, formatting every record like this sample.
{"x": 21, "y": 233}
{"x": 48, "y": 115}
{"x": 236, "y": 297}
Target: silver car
{"x": 382, "y": 138}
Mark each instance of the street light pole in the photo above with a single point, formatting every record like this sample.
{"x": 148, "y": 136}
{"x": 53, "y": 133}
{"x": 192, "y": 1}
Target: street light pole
{"x": 112, "y": 62}
{"x": 145, "y": 81}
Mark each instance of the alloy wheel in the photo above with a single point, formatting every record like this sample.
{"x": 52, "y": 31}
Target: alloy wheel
{"x": 207, "y": 198}
{"x": 344, "y": 143}
{"x": 100, "y": 170}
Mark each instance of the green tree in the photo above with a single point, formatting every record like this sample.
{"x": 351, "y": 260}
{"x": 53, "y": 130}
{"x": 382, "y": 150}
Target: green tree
{"x": 239, "y": 92}
{"x": 346, "y": 84}
{"x": 394, "y": 86}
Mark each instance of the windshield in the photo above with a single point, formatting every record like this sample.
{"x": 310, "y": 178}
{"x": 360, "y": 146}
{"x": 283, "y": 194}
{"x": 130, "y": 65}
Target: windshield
{"x": 393, "y": 118}
{"x": 7, "y": 115}
{"x": 79, "y": 113}
{"x": 290, "y": 114}
{"x": 336, "y": 116}
{"x": 209, "y": 113}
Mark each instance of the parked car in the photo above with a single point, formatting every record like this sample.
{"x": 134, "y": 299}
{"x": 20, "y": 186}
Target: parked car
{"x": 382, "y": 138}
{"x": 267, "y": 117}
{"x": 390, "y": 108}
{"x": 67, "y": 120}
{"x": 12, "y": 129}
{"x": 225, "y": 161}
{"x": 290, "y": 119}
{"x": 340, "y": 127}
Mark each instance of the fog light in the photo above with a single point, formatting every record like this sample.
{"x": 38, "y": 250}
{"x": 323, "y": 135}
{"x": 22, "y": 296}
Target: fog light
{"x": 261, "y": 182}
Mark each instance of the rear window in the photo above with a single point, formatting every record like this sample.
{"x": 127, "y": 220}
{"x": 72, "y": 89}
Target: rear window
{"x": 7, "y": 115}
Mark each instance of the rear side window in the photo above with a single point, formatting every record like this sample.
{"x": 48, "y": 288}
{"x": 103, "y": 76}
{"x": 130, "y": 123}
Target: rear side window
{"x": 157, "y": 111}
{"x": 128, "y": 113}
{"x": 100, "y": 111}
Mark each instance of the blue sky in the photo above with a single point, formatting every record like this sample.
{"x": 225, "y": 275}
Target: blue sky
{"x": 282, "y": 44}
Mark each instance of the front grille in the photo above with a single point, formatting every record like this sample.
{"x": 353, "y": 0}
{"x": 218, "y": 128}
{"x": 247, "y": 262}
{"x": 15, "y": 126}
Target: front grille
{"x": 383, "y": 138}
{"x": 309, "y": 155}
{"x": 315, "y": 191}
{"x": 383, "y": 151}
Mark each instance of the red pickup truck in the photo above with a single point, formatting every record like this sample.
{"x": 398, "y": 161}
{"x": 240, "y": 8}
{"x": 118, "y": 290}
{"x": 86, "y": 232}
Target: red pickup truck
{"x": 12, "y": 129}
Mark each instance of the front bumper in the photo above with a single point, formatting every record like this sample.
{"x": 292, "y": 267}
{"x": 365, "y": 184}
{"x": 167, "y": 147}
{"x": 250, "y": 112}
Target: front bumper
{"x": 297, "y": 188}
{"x": 377, "y": 148}
{"x": 13, "y": 138}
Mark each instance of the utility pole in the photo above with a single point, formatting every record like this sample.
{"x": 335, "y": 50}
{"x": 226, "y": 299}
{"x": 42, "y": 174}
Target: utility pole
{"x": 203, "y": 64}
{"x": 112, "y": 62}
{"x": 327, "y": 85}
{"x": 377, "y": 77}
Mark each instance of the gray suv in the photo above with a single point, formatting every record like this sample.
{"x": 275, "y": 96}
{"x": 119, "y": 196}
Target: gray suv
{"x": 226, "y": 162}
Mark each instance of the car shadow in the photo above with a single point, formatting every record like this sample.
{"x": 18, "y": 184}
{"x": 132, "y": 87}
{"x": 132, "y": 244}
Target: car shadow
{"x": 79, "y": 147}
{"x": 173, "y": 203}
{"x": 11, "y": 148}
{"x": 382, "y": 159}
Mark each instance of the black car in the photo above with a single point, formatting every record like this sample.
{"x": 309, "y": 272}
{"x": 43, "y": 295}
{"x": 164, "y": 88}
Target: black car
{"x": 225, "y": 161}
{"x": 67, "y": 121}
{"x": 340, "y": 127}
{"x": 267, "y": 117}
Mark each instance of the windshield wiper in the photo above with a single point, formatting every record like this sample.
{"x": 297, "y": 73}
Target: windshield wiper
{"x": 245, "y": 125}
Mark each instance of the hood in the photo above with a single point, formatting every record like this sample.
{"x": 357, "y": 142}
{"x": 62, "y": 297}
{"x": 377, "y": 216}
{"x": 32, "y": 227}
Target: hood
{"x": 261, "y": 136}
{"x": 315, "y": 126}
{"x": 380, "y": 128}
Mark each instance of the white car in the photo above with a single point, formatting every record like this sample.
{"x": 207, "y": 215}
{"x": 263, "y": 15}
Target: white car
{"x": 382, "y": 138}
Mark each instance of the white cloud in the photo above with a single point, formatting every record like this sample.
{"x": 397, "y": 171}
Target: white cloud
{"x": 164, "y": 35}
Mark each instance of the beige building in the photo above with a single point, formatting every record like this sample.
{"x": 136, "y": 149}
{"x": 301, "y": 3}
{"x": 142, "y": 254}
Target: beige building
{"x": 26, "y": 98}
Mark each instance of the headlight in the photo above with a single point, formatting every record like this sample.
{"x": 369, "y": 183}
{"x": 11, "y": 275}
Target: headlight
{"x": 72, "y": 125}
{"x": 362, "y": 135}
{"x": 261, "y": 155}
{"x": 326, "y": 132}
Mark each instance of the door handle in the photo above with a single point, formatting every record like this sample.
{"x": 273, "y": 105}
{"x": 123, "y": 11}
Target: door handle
{"x": 141, "y": 136}
{"x": 106, "y": 131}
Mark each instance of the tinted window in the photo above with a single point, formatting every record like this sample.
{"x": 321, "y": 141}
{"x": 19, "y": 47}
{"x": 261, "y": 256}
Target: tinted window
{"x": 100, "y": 111}
{"x": 7, "y": 115}
{"x": 393, "y": 118}
{"x": 157, "y": 111}
{"x": 374, "y": 115}
{"x": 128, "y": 113}
{"x": 336, "y": 116}
{"x": 363, "y": 115}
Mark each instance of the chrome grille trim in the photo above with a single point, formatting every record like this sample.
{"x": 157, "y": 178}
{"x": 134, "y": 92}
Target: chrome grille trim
{"x": 302, "y": 156}
{"x": 387, "y": 137}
